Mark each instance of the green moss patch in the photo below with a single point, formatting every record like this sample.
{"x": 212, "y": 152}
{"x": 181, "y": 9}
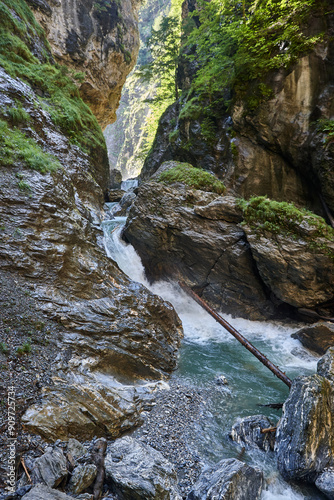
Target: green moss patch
{"x": 193, "y": 177}
{"x": 16, "y": 147}
{"x": 265, "y": 215}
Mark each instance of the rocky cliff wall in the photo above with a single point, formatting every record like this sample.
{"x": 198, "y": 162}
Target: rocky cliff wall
{"x": 54, "y": 173}
{"x": 98, "y": 38}
{"x": 280, "y": 146}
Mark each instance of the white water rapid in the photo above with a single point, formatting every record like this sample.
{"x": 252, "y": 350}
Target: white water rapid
{"x": 208, "y": 350}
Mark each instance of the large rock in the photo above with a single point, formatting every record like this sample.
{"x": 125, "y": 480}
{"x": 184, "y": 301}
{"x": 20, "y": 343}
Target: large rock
{"x": 230, "y": 479}
{"x": 50, "y": 468}
{"x": 192, "y": 235}
{"x": 41, "y": 492}
{"x": 318, "y": 337}
{"x": 305, "y": 435}
{"x": 325, "y": 483}
{"x": 247, "y": 431}
{"x": 82, "y": 477}
{"x": 289, "y": 266}
{"x": 137, "y": 471}
{"x": 100, "y": 40}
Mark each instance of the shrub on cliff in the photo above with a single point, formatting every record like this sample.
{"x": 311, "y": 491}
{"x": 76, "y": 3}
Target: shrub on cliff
{"x": 193, "y": 177}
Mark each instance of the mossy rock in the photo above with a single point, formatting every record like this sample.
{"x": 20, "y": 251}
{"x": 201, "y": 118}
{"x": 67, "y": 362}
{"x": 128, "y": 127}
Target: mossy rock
{"x": 191, "y": 176}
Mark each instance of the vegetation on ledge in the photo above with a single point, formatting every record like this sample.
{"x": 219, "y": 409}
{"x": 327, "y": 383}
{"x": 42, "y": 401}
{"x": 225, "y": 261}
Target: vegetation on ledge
{"x": 16, "y": 147}
{"x": 24, "y": 53}
{"x": 193, "y": 177}
{"x": 265, "y": 215}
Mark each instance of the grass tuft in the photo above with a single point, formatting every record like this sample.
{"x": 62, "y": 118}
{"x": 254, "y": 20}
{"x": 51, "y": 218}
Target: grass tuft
{"x": 193, "y": 177}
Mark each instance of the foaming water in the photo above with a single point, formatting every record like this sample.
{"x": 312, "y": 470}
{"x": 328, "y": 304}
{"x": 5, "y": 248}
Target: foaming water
{"x": 209, "y": 350}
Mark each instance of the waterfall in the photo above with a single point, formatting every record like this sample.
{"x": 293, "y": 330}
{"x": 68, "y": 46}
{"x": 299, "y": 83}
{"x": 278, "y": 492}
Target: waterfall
{"x": 208, "y": 350}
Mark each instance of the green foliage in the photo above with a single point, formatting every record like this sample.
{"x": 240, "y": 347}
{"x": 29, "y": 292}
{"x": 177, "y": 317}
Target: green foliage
{"x": 19, "y": 29}
{"x": 174, "y": 135}
{"x": 326, "y": 126}
{"x": 23, "y": 186}
{"x": 4, "y": 348}
{"x": 238, "y": 42}
{"x": 163, "y": 47}
{"x": 24, "y": 349}
{"x": 16, "y": 147}
{"x": 263, "y": 215}
{"x": 193, "y": 177}
{"x": 18, "y": 115}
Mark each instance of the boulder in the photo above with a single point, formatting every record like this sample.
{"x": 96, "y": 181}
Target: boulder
{"x": 82, "y": 477}
{"x": 325, "y": 366}
{"x": 50, "y": 469}
{"x": 230, "y": 479}
{"x": 183, "y": 234}
{"x": 247, "y": 431}
{"x": 115, "y": 179}
{"x": 305, "y": 433}
{"x": 325, "y": 483}
{"x": 135, "y": 470}
{"x": 288, "y": 265}
{"x": 125, "y": 204}
{"x": 42, "y": 492}
{"x": 76, "y": 449}
{"x": 115, "y": 195}
{"x": 318, "y": 337}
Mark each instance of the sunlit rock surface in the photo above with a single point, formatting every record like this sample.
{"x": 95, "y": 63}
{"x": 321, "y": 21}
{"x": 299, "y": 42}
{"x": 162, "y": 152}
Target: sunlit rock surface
{"x": 97, "y": 38}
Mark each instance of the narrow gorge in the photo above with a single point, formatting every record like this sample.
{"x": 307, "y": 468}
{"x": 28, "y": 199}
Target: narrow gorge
{"x": 115, "y": 383}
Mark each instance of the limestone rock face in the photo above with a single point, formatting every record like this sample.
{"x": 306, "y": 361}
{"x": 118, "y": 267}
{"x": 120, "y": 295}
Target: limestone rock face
{"x": 304, "y": 437}
{"x": 318, "y": 337}
{"x": 135, "y": 470}
{"x": 187, "y": 234}
{"x": 228, "y": 480}
{"x": 51, "y": 236}
{"x": 99, "y": 39}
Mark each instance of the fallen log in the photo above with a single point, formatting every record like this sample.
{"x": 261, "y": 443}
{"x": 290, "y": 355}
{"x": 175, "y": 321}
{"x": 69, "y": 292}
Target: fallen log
{"x": 261, "y": 357}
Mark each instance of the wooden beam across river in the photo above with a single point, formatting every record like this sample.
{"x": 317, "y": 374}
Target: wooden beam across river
{"x": 261, "y": 357}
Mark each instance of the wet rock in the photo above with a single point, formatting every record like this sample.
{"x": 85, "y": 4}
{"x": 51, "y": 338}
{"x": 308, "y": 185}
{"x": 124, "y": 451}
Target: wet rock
{"x": 318, "y": 337}
{"x": 115, "y": 179}
{"x": 76, "y": 449}
{"x": 42, "y": 492}
{"x": 325, "y": 366}
{"x": 82, "y": 477}
{"x": 210, "y": 254}
{"x": 125, "y": 204}
{"x": 115, "y": 195}
{"x": 305, "y": 436}
{"x": 247, "y": 431}
{"x": 135, "y": 470}
{"x": 228, "y": 480}
{"x": 325, "y": 483}
{"x": 50, "y": 468}
{"x": 221, "y": 380}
